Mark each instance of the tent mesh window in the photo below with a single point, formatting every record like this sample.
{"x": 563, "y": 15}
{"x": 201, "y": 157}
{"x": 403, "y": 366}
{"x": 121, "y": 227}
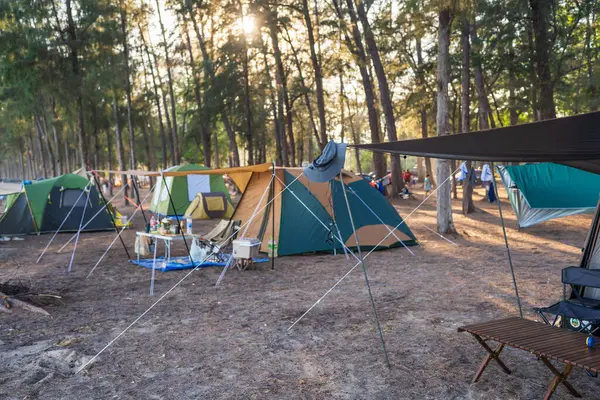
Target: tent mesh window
{"x": 70, "y": 196}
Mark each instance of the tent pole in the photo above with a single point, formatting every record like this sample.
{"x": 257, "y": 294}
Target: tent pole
{"x": 364, "y": 268}
{"x": 87, "y": 199}
{"x": 187, "y": 248}
{"x": 62, "y": 223}
{"x": 273, "y": 216}
{"x": 512, "y": 270}
{"x": 137, "y": 196}
{"x": 37, "y": 229}
{"x": 112, "y": 217}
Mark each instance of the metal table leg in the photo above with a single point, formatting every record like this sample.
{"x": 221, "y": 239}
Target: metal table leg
{"x": 153, "y": 270}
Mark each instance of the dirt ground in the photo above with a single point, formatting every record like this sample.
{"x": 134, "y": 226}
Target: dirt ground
{"x": 200, "y": 342}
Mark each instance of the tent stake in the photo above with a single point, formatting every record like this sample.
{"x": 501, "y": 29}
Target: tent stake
{"x": 112, "y": 217}
{"x": 364, "y": 268}
{"x": 137, "y": 196}
{"x": 512, "y": 270}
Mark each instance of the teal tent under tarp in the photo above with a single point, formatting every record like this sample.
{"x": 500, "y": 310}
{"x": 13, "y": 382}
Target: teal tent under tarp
{"x": 540, "y": 192}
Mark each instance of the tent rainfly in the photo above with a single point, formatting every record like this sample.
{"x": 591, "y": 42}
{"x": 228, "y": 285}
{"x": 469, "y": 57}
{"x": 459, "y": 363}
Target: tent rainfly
{"x": 41, "y": 207}
{"x": 183, "y": 189}
{"x": 296, "y": 231}
{"x": 541, "y": 192}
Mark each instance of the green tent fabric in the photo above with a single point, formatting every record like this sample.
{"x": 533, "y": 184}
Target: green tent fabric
{"x": 37, "y": 193}
{"x": 540, "y": 192}
{"x": 43, "y": 205}
{"x": 362, "y": 214}
{"x": 550, "y": 185}
{"x": 297, "y": 230}
{"x": 183, "y": 189}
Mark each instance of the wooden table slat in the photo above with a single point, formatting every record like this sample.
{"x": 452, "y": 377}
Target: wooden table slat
{"x": 540, "y": 339}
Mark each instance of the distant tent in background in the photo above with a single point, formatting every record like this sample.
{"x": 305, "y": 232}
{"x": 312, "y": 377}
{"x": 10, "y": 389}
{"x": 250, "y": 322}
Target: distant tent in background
{"x": 541, "y": 192}
{"x": 42, "y": 206}
{"x": 210, "y": 206}
{"x": 183, "y": 189}
{"x": 7, "y": 188}
{"x": 297, "y": 231}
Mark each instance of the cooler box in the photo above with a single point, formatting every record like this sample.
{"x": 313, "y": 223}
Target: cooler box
{"x": 246, "y": 248}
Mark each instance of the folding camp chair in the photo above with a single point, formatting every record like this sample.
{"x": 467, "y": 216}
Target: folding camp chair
{"x": 220, "y": 237}
{"x": 578, "y": 313}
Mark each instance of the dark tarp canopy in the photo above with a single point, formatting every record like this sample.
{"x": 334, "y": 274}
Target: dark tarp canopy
{"x": 573, "y": 141}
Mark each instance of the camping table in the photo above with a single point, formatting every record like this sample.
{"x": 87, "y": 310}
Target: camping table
{"x": 545, "y": 341}
{"x": 168, "y": 239}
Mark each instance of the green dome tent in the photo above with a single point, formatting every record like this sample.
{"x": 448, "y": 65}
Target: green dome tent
{"x": 183, "y": 189}
{"x": 41, "y": 207}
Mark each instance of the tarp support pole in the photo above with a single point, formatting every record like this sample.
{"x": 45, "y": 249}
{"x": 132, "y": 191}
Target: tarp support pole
{"x": 512, "y": 270}
{"x": 87, "y": 199}
{"x": 137, "y": 196}
{"x": 364, "y": 268}
{"x": 273, "y": 218}
{"x": 112, "y": 217}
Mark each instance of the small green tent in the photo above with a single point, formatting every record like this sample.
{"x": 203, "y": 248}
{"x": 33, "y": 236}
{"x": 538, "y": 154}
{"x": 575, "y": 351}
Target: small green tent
{"x": 183, "y": 189}
{"x": 43, "y": 205}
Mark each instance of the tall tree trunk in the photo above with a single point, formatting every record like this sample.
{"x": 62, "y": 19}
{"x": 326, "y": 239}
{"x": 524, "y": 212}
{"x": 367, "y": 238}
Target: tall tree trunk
{"x": 305, "y": 89}
{"x": 30, "y": 155}
{"x": 67, "y": 157}
{"x": 276, "y": 119}
{"x": 209, "y": 71}
{"x": 356, "y": 47}
{"x": 76, "y": 69}
{"x": 157, "y": 99}
{"x": 467, "y": 201}
{"x": 423, "y": 111}
{"x": 132, "y": 160}
{"x": 109, "y": 157}
{"x": 21, "y": 159}
{"x": 53, "y": 116}
{"x": 485, "y": 115}
{"x": 512, "y": 85}
{"x": 445, "y": 223}
{"x": 541, "y": 11}
{"x": 95, "y": 135}
{"x": 39, "y": 143}
{"x": 533, "y": 90}
{"x": 318, "y": 76}
{"x": 247, "y": 99}
{"x": 149, "y": 157}
{"x": 206, "y": 133}
{"x": 280, "y": 82}
{"x": 41, "y": 121}
{"x": 120, "y": 152}
{"x": 174, "y": 135}
{"x": 384, "y": 90}
{"x": 589, "y": 56}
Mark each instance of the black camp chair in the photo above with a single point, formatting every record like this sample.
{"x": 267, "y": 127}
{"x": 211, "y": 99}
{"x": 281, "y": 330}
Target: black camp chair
{"x": 577, "y": 313}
